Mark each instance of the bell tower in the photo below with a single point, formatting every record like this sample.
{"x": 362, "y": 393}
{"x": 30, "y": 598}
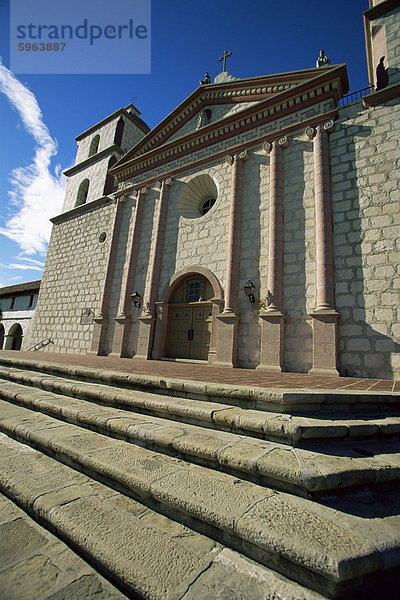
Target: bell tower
{"x": 99, "y": 148}
{"x": 382, "y": 38}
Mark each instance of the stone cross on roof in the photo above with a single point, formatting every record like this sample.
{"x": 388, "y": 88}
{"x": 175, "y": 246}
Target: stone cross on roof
{"x": 224, "y": 57}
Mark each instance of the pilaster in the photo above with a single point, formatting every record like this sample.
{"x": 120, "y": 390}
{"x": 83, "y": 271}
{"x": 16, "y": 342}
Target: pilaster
{"x": 123, "y": 320}
{"x": 272, "y": 319}
{"x": 100, "y": 320}
{"x": 147, "y": 320}
{"x": 325, "y": 329}
{"x": 228, "y": 321}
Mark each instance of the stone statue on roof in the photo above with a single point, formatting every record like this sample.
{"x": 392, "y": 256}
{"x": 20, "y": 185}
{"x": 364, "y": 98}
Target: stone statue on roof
{"x": 322, "y": 60}
{"x": 207, "y": 79}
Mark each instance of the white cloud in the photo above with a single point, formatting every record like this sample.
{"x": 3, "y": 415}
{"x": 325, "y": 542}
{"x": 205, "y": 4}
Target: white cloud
{"x": 24, "y": 267}
{"x": 32, "y": 261}
{"x": 37, "y": 193}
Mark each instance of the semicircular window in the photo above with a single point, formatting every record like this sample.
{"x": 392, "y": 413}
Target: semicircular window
{"x": 198, "y": 197}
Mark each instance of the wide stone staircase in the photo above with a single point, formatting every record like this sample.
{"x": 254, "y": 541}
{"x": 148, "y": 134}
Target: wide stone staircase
{"x": 176, "y": 489}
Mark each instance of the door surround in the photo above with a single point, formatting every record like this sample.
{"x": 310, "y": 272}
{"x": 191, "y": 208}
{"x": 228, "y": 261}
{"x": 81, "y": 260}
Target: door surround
{"x": 163, "y": 308}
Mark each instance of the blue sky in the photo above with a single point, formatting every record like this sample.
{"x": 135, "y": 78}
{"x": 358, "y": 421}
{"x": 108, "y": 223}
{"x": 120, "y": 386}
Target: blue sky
{"x": 40, "y": 115}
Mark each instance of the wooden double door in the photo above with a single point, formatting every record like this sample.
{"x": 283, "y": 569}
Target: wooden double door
{"x": 189, "y": 331}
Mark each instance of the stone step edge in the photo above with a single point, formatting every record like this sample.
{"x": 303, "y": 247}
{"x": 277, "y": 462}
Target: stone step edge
{"x": 276, "y": 548}
{"x": 257, "y": 580}
{"x": 48, "y": 508}
{"x": 310, "y": 483}
{"x": 282, "y": 428}
{"x": 39, "y": 564}
{"x": 254, "y": 397}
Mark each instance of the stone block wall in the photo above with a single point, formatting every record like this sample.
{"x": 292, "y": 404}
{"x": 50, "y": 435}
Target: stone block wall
{"x": 365, "y": 160}
{"x": 131, "y": 136}
{"x": 73, "y": 281}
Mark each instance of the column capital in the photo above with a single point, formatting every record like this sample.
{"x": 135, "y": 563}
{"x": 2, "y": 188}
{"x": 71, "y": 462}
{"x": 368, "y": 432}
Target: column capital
{"x": 144, "y": 190}
{"x": 167, "y": 181}
{"x": 329, "y": 126}
{"x": 267, "y": 147}
{"x": 311, "y": 132}
{"x": 243, "y": 155}
{"x": 283, "y": 142}
{"x": 230, "y": 159}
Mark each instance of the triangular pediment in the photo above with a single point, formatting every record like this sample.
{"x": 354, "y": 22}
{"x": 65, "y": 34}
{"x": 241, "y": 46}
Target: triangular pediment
{"x": 227, "y": 99}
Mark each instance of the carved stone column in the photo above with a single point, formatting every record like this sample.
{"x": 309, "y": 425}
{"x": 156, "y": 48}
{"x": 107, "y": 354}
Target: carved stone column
{"x": 100, "y": 321}
{"x": 272, "y": 318}
{"x": 228, "y": 321}
{"x": 325, "y": 337}
{"x": 123, "y": 320}
{"x": 148, "y": 319}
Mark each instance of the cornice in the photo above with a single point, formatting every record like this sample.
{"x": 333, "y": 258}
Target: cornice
{"x": 259, "y": 88}
{"x": 250, "y": 145}
{"x": 221, "y": 130}
{"x": 380, "y": 9}
{"x": 392, "y": 91}
{"x": 93, "y": 159}
{"x": 78, "y": 210}
{"x": 121, "y": 111}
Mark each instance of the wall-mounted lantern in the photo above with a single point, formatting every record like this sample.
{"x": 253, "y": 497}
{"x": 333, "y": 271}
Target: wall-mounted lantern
{"x": 136, "y": 299}
{"x": 249, "y": 290}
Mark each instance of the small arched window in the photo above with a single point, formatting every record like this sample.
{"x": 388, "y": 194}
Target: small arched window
{"x": 94, "y": 145}
{"x": 110, "y": 180}
{"x": 82, "y": 193}
{"x": 119, "y": 132}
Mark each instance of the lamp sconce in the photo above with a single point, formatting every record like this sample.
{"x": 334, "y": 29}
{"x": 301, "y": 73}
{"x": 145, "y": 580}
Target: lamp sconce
{"x": 136, "y": 299}
{"x": 249, "y": 290}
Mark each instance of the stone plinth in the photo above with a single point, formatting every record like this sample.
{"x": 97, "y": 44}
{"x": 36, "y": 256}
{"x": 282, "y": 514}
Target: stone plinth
{"x": 144, "y": 344}
{"x": 325, "y": 342}
{"x": 272, "y": 324}
{"x": 227, "y": 335}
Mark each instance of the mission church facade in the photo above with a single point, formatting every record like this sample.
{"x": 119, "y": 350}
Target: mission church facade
{"x": 257, "y": 226}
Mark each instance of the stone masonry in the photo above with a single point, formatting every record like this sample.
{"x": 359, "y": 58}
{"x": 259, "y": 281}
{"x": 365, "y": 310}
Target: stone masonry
{"x": 335, "y": 262}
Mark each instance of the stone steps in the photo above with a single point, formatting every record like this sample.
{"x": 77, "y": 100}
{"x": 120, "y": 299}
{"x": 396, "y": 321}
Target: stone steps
{"x": 36, "y": 565}
{"x": 305, "y": 472}
{"x": 274, "y": 400}
{"x": 317, "y": 545}
{"x": 139, "y": 550}
{"x": 285, "y": 428}
{"x": 169, "y": 496}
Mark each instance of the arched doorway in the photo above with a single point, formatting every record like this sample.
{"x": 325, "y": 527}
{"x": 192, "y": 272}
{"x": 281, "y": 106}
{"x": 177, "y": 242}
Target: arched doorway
{"x": 15, "y": 337}
{"x": 190, "y": 319}
{"x": 1, "y": 336}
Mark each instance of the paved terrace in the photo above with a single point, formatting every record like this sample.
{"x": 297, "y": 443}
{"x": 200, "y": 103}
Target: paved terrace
{"x": 203, "y": 372}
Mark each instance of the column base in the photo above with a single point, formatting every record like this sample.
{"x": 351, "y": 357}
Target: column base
{"x": 272, "y": 340}
{"x": 325, "y": 343}
{"x": 121, "y": 335}
{"x": 97, "y": 347}
{"x": 226, "y": 342}
{"x": 145, "y": 338}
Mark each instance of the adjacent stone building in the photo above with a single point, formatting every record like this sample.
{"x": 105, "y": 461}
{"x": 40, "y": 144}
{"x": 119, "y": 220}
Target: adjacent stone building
{"x": 257, "y": 226}
{"x": 17, "y": 306}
